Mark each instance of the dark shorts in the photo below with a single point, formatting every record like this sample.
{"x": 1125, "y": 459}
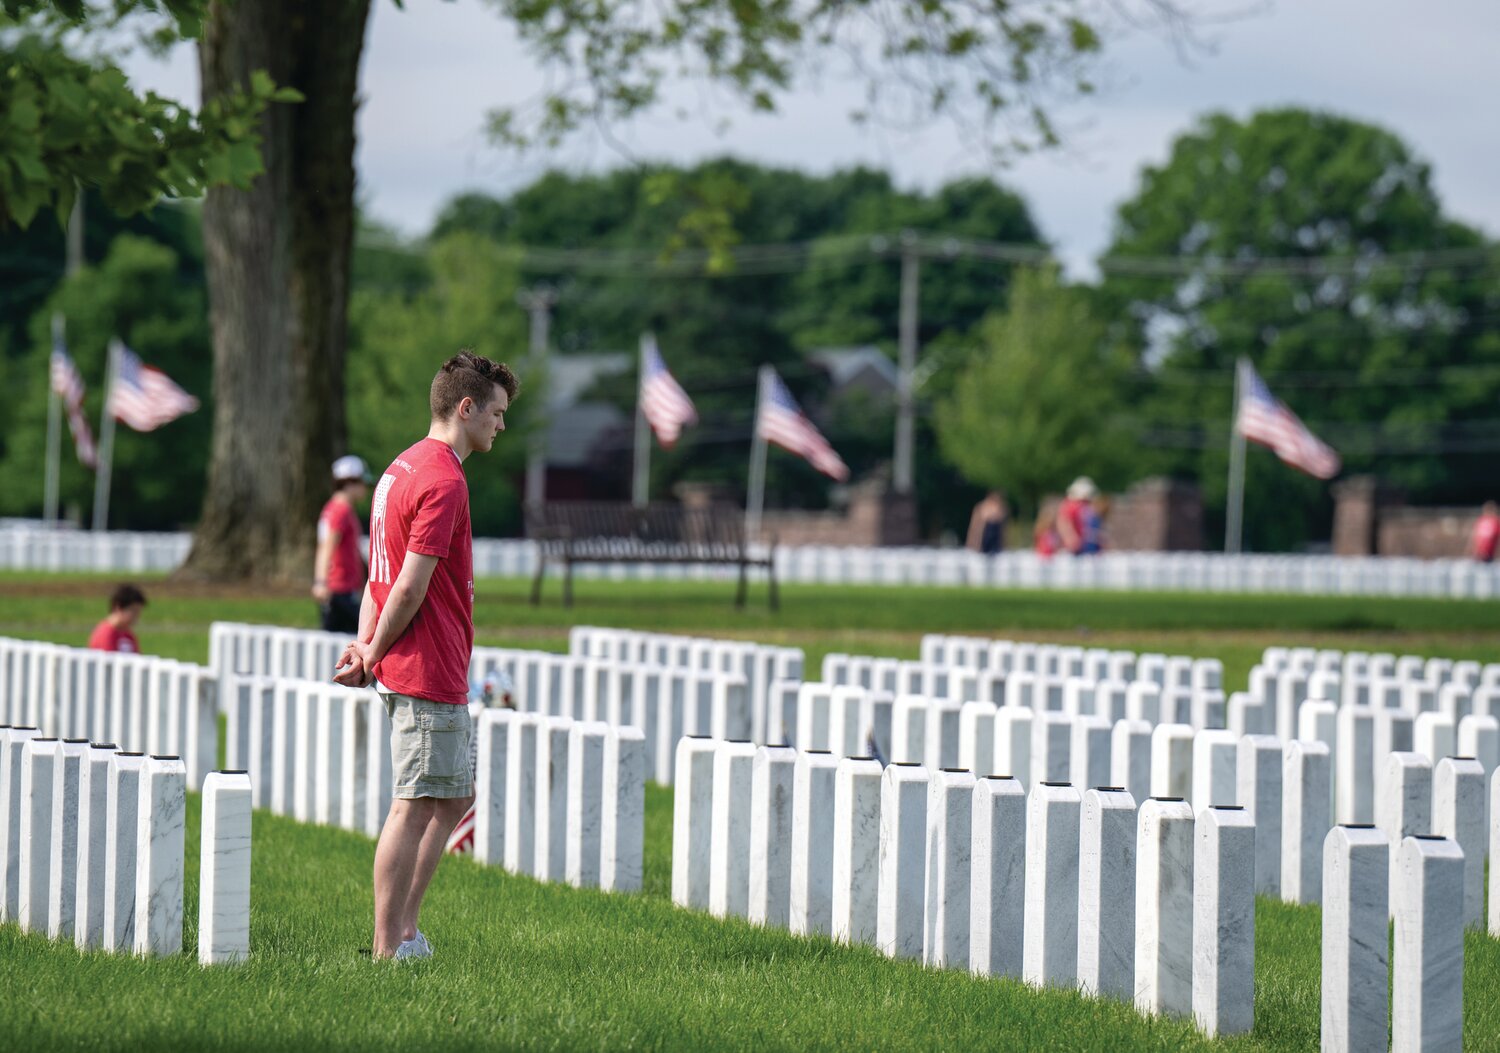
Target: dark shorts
{"x": 341, "y": 612}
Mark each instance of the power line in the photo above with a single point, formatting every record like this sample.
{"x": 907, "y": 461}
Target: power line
{"x": 785, "y": 257}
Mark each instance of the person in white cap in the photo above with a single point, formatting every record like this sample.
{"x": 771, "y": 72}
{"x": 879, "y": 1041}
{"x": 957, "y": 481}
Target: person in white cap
{"x": 1073, "y": 515}
{"x": 339, "y": 569}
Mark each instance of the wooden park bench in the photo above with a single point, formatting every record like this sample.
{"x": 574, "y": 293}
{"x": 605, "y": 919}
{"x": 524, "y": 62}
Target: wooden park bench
{"x": 570, "y": 532}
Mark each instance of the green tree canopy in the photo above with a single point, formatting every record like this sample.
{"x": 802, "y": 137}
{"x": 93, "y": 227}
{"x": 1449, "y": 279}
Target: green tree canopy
{"x": 137, "y": 294}
{"x": 68, "y": 122}
{"x": 1036, "y": 405}
{"x": 1316, "y": 246}
{"x": 398, "y": 343}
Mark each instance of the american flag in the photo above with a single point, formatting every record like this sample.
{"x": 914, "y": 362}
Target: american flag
{"x": 665, "y": 405}
{"x": 145, "y": 398}
{"x": 68, "y": 384}
{"x": 1265, "y": 419}
{"x": 781, "y": 421}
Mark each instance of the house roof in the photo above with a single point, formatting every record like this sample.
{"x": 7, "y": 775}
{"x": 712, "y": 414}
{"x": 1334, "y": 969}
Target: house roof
{"x": 867, "y": 365}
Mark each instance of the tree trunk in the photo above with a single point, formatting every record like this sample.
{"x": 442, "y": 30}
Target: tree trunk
{"x": 278, "y": 258}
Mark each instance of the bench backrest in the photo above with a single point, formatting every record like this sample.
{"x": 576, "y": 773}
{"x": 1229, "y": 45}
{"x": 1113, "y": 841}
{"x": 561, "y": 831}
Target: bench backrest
{"x": 618, "y": 530}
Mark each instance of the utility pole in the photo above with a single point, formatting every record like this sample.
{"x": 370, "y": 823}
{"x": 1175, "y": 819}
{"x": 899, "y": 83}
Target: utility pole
{"x": 537, "y": 302}
{"x": 906, "y": 365}
{"x": 53, "y": 468}
{"x": 1234, "y": 513}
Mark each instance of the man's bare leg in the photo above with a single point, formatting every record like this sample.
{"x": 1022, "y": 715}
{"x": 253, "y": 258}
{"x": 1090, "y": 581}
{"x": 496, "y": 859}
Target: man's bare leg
{"x": 396, "y": 860}
{"x": 446, "y": 812}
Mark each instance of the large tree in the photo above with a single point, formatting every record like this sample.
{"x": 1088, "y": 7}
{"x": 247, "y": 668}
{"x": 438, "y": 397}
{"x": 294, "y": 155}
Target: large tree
{"x": 278, "y": 253}
{"x": 1037, "y": 403}
{"x": 278, "y": 260}
{"x": 1314, "y": 245}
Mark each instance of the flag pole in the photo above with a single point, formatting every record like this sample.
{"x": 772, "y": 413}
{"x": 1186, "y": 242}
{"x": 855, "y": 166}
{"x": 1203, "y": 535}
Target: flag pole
{"x": 755, "y": 499}
{"x": 640, "y": 489}
{"x": 54, "y": 432}
{"x": 1234, "y": 515}
{"x": 106, "y": 440}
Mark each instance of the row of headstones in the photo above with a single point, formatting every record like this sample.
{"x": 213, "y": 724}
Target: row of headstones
{"x": 81, "y": 550}
{"x": 1057, "y": 888}
{"x": 665, "y": 702}
{"x": 759, "y": 664}
{"x": 560, "y": 799}
{"x": 1366, "y": 665}
{"x": 925, "y": 728}
{"x": 56, "y": 550}
{"x": 1288, "y": 784}
{"x": 1169, "y": 672}
{"x": 143, "y": 703}
{"x": 91, "y": 848}
{"x": 1075, "y": 695}
{"x": 315, "y": 751}
{"x": 1127, "y": 571}
{"x": 1276, "y": 694}
{"x": 1361, "y": 738}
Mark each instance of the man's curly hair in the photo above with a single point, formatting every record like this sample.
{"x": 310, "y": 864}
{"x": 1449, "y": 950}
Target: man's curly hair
{"x": 467, "y": 375}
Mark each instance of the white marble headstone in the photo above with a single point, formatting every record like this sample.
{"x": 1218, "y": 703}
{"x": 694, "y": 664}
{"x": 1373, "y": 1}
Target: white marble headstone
{"x": 1164, "y": 907}
{"x": 997, "y": 893}
{"x": 1224, "y": 876}
{"x": 224, "y": 869}
{"x": 771, "y": 789}
{"x": 729, "y": 857}
{"x": 810, "y": 902}
{"x": 1106, "y": 893}
{"x": 856, "y": 849}
{"x": 1427, "y": 957}
{"x": 159, "y": 864}
{"x": 950, "y": 804}
{"x": 1050, "y": 943}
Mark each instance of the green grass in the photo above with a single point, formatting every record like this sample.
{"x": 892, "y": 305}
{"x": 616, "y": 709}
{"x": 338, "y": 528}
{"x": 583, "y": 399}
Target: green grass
{"x": 525, "y": 965}
{"x": 522, "y": 965}
{"x": 860, "y": 619}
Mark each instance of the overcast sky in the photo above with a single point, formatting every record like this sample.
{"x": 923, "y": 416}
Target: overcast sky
{"x": 1424, "y": 70}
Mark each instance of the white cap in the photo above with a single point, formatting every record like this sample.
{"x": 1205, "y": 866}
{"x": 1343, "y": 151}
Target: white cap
{"x": 1082, "y": 489}
{"x": 351, "y": 467}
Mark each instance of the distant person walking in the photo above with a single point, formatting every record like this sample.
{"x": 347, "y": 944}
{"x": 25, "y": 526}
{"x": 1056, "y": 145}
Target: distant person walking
{"x": 1486, "y": 533}
{"x": 416, "y": 632}
{"x": 117, "y": 631}
{"x": 338, "y": 568}
{"x": 987, "y": 524}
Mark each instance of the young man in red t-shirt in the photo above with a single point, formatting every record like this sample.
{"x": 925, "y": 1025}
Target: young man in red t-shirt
{"x": 338, "y": 568}
{"x": 117, "y": 631}
{"x": 416, "y": 632}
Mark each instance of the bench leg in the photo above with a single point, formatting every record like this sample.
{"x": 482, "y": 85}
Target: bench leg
{"x": 739, "y": 594}
{"x": 536, "y": 581}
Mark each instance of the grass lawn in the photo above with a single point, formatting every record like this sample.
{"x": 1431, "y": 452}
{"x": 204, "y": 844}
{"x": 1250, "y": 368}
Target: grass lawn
{"x": 526, "y": 965}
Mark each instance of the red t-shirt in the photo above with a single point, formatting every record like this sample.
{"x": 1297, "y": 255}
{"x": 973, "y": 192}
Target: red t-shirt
{"x": 421, "y": 504}
{"x": 108, "y": 637}
{"x": 1486, "y": 534}
{"x": 346, "y": 571}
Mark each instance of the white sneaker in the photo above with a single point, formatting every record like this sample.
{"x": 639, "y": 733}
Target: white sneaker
{"x": 416, "y": 947}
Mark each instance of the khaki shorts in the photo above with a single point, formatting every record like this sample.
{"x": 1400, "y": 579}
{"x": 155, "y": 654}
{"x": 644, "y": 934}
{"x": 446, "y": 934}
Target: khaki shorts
{"x": 429, "y": 747}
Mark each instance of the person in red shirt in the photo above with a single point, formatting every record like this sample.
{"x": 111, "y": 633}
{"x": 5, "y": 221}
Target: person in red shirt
{"x": 117, "y": 631}
{"x": 1486, "y": 533}
{"x": 416, "y": 632}
{"x": 338, "y": 569}
{"x": 1072, "y": 515}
